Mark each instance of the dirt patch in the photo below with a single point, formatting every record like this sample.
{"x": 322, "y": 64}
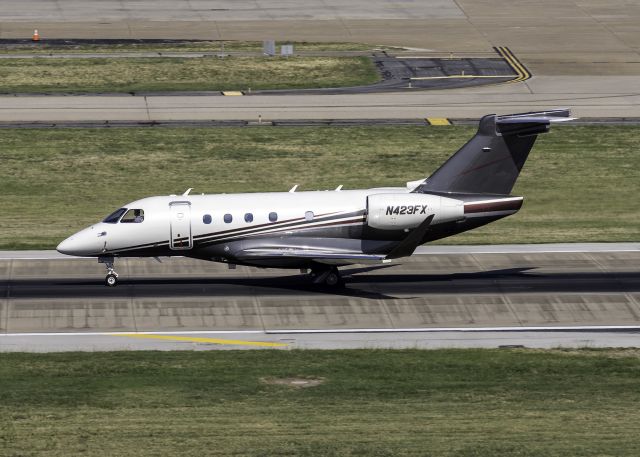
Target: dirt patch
{"x": 298, "y": 383}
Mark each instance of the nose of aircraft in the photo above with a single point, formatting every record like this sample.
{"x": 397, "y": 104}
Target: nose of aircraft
{"x": 85, "y": 242}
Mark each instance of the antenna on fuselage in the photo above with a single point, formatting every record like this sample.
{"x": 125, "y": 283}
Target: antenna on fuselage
{"x": 339, "y": 188}
{"x": 186, "y": 192}
{"x": 293, "y": 189}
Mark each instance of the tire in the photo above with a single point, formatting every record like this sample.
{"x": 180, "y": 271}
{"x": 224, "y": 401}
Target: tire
{"x": 332, "y": 279}
{"x": 111, "y": 280}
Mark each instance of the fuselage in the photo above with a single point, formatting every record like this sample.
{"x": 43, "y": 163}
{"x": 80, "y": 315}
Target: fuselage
{"x": 262, "y": 228}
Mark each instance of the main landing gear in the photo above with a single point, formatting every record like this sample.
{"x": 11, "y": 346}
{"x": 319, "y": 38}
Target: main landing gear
{"x": 111, "y": 280}
{"x": 329, "y": 277}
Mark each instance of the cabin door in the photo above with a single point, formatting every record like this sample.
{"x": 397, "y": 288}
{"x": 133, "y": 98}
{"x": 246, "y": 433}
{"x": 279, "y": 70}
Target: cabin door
{"x": 180, "y": 236}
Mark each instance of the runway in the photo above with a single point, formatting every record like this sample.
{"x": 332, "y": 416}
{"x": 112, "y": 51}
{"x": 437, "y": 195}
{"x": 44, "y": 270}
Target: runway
{"x": 481, "y": 291}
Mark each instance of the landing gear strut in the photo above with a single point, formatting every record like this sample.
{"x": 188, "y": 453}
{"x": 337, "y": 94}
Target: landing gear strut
{"x": 327, "y": 277}
{"x": 111, "y": 280}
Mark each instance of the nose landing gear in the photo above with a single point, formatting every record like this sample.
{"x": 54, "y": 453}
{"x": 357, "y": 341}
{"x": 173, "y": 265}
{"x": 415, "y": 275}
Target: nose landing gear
{"x": 111, "y": 280}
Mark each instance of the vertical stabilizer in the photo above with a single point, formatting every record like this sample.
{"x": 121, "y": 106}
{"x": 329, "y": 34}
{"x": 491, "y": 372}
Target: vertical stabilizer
{"x": 491, "y": 161}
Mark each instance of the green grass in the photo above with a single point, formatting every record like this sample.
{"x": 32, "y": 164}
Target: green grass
{"x": 458, "y": 403}
{"x": 45, "y": 47}
{"x": 580, "y": 183}
{"x": 87, "y": 75}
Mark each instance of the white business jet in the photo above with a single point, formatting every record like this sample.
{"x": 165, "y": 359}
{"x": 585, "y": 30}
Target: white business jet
{"x": 319, "y": 231}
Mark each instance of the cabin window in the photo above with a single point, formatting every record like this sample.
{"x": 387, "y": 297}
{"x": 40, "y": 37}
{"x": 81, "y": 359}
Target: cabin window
{"x": 273, "y": 216}
{"x": 248, "y": 217}
{"x": 228, "y": 218}
{"x": 115, "y": 216}
{"x": 133, "y": 216}
{"x": 308, "y": 215}
{"x": 206, "y": 218}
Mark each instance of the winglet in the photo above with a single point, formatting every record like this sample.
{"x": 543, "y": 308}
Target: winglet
{"x": 412, "y": 241}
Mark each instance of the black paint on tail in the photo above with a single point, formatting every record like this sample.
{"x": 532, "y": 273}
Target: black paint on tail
{"x": 491, "y": 161}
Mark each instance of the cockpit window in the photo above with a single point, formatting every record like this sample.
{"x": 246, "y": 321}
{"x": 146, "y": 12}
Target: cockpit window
{"x": 113, "y": 217}
{"x": 133, "y": 216}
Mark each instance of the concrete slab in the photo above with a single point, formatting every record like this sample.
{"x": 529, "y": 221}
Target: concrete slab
{"x": 5, "y": 270}
{"x": 223, "y": 10}
{"x": 63, "y": 315}
{"x": 621, "y": 261}
{"x": 196, "y": 314}
{"x": 322, "y": 312}
{"x": 65, "y": 268}
{"x": 539, "y": 262}
{"x": 572, "y": 309}
{"x": 4, "y": 303}
{"x": 450, "y": 311}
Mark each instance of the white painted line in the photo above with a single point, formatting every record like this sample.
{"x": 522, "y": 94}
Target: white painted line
{"x": 462, "y": 329}
{"x": 133, "y": 332}
{"x": 351, "y": 330}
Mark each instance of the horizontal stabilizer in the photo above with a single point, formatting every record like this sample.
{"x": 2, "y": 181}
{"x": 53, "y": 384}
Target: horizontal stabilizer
{"x": 532, "y": 123}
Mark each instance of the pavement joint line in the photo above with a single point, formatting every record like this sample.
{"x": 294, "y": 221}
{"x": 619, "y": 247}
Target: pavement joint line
{"x": 519, "y": 329}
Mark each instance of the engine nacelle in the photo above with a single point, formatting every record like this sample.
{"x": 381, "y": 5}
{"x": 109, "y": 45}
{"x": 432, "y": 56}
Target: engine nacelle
{"x": 407, "y": 211}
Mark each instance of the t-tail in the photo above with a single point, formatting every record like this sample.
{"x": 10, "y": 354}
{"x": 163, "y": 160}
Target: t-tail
{"x": 492, "y": 160}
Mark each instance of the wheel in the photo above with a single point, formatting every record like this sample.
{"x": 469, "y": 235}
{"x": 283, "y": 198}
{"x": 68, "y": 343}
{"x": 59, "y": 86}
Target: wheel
{"x": 332, "y": 279}
{"x": 111, "y": 280}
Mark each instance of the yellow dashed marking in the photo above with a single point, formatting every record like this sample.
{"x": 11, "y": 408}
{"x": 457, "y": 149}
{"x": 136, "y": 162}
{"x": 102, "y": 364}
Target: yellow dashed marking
{"x": 438, "y": 121}
{"x": 191, "y": 339}
{"x": 232, "y": 93}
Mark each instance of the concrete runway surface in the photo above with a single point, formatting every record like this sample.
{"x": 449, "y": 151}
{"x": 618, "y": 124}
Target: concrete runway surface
{"x": 537, "y": 299}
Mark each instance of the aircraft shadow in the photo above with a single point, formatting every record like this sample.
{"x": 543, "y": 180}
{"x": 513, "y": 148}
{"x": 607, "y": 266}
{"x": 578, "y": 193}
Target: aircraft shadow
{"x": 381, "y": 285}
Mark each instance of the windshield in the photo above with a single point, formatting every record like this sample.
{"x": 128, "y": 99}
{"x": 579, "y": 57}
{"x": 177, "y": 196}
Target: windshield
{"x": 113, "y": 217}
{"x": 133, "y": 215}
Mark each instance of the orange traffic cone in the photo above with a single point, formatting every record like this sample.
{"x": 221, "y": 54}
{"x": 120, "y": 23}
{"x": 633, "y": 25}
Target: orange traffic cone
{"x": 36, "y": 36}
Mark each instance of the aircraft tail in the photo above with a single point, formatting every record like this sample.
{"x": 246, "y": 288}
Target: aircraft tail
{"x": 491, "y": 161}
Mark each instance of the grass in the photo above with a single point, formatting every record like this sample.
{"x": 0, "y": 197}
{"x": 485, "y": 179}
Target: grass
{"x": 88, "y": 75}
{"x": 448, "y": 403}
{"x": 581, "y": 183}
{"x": 46, "y": 47}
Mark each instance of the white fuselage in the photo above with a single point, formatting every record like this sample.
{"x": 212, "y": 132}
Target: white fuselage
{"x": 293, "y": 211}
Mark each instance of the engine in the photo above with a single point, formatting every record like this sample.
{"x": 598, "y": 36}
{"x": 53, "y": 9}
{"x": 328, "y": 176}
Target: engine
{"x": 407, "y": 211}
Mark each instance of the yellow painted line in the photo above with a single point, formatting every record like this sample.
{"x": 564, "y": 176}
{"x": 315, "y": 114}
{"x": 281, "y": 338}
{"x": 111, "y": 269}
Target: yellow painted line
{"x": 202, "y": 340}
{"x": 438, "y": 121}
{"x": 232, "y": 93}
{"x": 514, "y": 63}
{"x": 418, "y": 78}
{"x": 518, "y": 64}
